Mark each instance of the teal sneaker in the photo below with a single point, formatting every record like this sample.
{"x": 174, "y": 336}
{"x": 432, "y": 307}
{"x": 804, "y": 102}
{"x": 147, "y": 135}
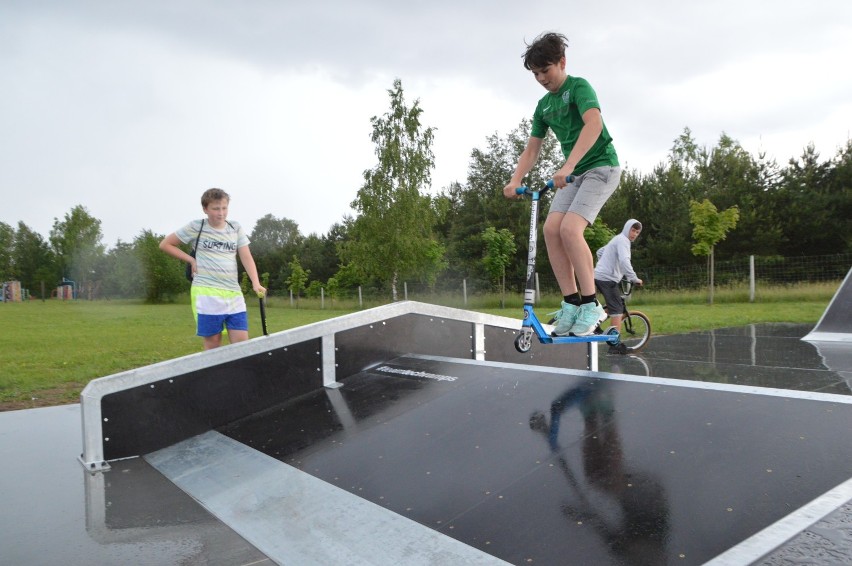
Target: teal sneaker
{"x": 589, "y": 316}
{"x": 565, "y": 319}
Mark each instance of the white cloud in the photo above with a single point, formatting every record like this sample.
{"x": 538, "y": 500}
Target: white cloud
{"x": 133, "y": 109}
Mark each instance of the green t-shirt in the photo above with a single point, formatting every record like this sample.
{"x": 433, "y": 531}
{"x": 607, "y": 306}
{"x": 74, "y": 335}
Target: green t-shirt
{"x": 563, "y": 113}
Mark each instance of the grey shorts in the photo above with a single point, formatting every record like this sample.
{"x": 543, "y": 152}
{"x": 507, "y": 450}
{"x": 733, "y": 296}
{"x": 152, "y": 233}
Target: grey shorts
{"x": 611, "y": 292}
{"x": 588, "y": 193}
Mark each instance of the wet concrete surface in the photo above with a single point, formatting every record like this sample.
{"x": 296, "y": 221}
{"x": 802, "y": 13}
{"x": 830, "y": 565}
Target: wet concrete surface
{"x": 760, "y": 355}
{"x": 54, "y": 512}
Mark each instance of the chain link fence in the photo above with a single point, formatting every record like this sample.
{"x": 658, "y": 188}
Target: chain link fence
{"x": 766, "y": 271}
{"x": 748, "y": 271}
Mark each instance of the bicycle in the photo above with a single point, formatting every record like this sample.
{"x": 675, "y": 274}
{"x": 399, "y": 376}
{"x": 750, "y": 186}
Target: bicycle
{"x": 635, "y": 328}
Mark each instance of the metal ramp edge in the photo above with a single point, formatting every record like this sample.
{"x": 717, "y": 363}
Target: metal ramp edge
{"x": 295, "y": 518}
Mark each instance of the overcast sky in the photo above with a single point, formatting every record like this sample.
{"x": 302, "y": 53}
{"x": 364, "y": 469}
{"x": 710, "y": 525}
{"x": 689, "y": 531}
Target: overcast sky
{"x": 133, "y": 109}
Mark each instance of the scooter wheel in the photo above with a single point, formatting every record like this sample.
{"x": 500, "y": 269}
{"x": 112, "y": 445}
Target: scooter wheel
{"x": 523, "y": 342}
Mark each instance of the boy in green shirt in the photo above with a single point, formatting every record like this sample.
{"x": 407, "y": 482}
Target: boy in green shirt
{"x": 571, "y": 109}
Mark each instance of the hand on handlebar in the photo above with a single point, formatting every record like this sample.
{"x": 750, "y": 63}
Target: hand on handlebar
{"x": 561, "y": 180}
{"x": 516, "y": 191}
{"x": 510, "y": 191}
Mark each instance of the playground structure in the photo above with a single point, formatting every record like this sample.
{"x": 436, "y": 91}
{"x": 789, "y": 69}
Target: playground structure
{"x": 12, "y": 292}
{"x": 65, "y": 291}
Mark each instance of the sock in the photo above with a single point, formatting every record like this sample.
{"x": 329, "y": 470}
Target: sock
{"x": 588, "y": 299}
{"x": 572, "y": 299}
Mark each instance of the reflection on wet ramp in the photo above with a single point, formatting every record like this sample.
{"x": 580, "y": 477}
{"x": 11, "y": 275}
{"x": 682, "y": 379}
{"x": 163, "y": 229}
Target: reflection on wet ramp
{"x": 761, "y": 355}
{"x": 530, "y": 465}
{"x": 678, "y": 456}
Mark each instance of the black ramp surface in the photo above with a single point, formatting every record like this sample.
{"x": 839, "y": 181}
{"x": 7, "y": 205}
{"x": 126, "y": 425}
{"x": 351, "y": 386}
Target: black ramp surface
{"x": 539, "y": 466}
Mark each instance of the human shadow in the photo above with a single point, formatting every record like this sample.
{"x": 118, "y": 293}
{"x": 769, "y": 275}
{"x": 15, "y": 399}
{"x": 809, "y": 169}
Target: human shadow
{"x": 627, "y": 507}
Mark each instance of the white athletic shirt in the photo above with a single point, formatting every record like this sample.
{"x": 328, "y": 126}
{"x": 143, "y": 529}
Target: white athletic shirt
{"x": 216, "y": 257}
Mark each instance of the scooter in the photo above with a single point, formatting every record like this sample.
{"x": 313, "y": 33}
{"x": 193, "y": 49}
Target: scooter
{"x": 531, "y": 325}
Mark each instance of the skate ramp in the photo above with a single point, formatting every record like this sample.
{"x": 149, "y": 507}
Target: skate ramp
{"x": 413, "y": 433}
{"x": 145, "y": 409}
{"x": 835, "y": 325}
{"x": 430, "y": 460}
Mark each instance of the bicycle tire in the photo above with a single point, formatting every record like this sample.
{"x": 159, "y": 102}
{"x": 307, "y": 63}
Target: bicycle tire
{"x": 635, "y": 331}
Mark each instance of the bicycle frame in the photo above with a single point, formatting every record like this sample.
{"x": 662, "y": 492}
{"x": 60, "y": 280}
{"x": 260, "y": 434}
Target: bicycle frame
{"x": 531, "y": 325}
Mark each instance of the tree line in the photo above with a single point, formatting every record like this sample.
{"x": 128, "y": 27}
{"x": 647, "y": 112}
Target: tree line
{"x": 403, "y": 232}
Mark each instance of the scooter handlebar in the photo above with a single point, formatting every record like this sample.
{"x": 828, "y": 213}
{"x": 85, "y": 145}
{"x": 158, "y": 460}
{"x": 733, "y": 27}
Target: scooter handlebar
{"x": 548, "y": 185}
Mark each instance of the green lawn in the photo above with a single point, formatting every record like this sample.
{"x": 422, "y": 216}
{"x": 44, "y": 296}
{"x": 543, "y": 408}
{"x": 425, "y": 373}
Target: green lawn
{"x": 51, "y": 350}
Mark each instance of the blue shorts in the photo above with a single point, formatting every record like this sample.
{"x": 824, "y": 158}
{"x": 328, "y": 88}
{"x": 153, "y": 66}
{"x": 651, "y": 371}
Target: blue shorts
{"x": 217, "y": 310}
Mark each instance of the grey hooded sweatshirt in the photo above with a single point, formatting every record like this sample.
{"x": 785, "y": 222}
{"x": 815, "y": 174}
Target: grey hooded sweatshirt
{"x": 614, "y": 258}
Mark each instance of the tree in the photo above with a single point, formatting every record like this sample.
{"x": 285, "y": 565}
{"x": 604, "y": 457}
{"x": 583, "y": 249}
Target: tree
{"x": 809, "y": 198}
{"x": 598, "y": 235}
{"x": 163, "y": 276}
{"x": 298, "y": 279}
{"x": 466, "y": 211}
{"x": 7, "y": 243}
{"x": 33, "y": 260}
{"x": 273, "y": 240}
{"x": 711, "y": 226}
{"x": 317, "y": 255}
{"x": 731, "y": 176}
{"x": 332, "y": 288}
{"x": 124, "y": 272}
{"x": 393, "y": 235}
{"x": 840, "y": 187}
{"x": 668, "y": 194}
{"x": 499, "y": 249}
{"x": 271, "y": 234}
{"x": 76, "y": 240}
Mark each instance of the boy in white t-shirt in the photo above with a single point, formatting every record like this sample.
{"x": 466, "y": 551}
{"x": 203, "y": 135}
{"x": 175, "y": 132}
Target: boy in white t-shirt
{"x": 217, "y": 300}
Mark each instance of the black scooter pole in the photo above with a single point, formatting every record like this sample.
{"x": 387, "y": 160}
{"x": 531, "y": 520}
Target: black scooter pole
{"x": 262, "y": 300}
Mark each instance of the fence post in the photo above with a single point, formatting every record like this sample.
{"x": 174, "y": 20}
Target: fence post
{"x": 405, "y": 290}
{"x": 322, "y": 298}
{"x": 464, "y": 290}
{"x": 751, "y": 278}
{"x": 360, "y": 299}
{"x": 291, "y": 297}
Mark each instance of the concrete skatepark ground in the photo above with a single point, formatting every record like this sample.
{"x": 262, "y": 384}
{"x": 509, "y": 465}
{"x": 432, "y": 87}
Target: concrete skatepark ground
{"x": 723, "y": 447}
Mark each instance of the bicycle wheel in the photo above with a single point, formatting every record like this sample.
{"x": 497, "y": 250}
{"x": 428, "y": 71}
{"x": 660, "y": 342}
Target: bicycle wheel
{"x": 635, "y": 331}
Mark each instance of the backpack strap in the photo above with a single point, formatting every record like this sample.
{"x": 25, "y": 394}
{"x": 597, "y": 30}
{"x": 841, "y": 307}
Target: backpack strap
{"x": 200, "y": 230}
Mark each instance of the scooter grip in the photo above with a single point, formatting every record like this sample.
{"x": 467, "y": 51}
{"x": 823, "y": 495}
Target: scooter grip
{"x": 568, "y": 179}
{"x": 549, "y": 185}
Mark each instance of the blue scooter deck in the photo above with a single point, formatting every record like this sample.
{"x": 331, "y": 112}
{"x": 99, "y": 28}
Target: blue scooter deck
{"x": 611, "y": 338}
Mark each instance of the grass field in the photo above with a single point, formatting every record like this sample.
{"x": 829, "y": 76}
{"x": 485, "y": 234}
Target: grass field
{"x": 52, "y": 349}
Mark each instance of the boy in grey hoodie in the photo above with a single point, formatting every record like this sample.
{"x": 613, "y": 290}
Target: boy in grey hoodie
{"x": 613, "y": 266}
